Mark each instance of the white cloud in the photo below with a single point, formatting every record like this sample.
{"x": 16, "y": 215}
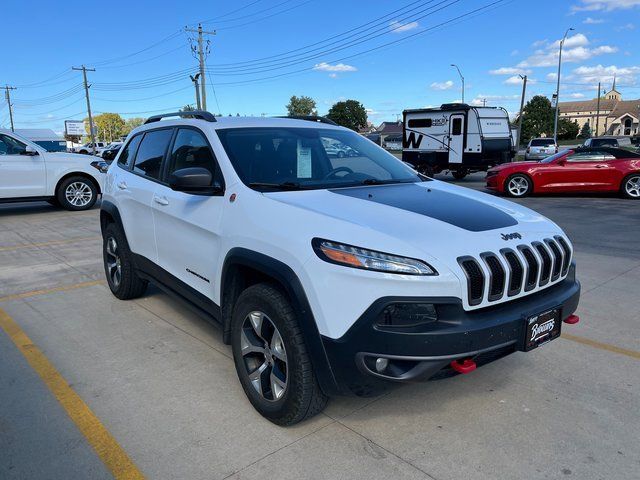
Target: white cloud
{"x": 516, "y": 80}
{"x": 604, "y": 5}
{"x": 338, "y": 67}
{"x": 510, "y": 71}
{"x": 333, "y": 75}
{"x": 398, "y": 27}
{"x": 493, "y": 99}
{"x": 575, "y": 95}
{"x": 552, "y": 77}
{"x": 600, "y": 73}
{"x": 592, "y": 21}
{"x": 628, "y": 26}
{"x": 442, "y": 85}
{"x": 576, "y": 49}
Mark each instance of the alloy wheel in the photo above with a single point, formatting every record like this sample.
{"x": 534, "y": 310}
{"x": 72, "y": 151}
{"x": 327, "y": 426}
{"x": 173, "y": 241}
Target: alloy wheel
{"x": 518, "y": 186}
{"x": 78, "y": 194}
{"x": 114, "y": 264}
{"x": 264, "y": 356}
{"x": 632, "y": 187}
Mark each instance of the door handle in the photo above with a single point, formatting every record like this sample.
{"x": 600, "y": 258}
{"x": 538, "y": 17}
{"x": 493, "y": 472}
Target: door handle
{"x": 161, "y": 200}
{"x": 122, "y": 186}
{"x": 601, "y": 166}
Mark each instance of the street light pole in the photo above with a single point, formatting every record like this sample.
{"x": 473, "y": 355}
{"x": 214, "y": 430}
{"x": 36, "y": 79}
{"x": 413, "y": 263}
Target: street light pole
{"x": 461, "y": 78}
{"x": 555, "y": 121}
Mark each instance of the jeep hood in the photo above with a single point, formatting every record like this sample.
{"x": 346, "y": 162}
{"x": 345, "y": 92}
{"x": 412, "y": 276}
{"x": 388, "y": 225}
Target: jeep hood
{"x": 71, "y": 156}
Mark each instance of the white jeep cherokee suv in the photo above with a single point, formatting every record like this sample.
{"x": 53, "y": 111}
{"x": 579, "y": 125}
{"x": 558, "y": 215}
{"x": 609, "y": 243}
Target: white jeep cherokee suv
{"x": 29, "y": 173}
{"x": 328, "y": 275}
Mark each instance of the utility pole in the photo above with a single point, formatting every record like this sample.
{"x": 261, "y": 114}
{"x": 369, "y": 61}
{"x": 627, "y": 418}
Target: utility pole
{"x": 7, "y": 96}
{"x": 598, "y": 112}
{"x": 524, "y": 91}
{"x": 86, "y": 92}
{"x": 461, "y": 78}
{"x": 194, "y": 79}
{"x": 555, "y": 121}
{"x": 201, "y": 32}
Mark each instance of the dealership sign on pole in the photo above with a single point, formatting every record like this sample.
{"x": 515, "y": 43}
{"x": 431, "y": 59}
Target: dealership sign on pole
{"x": 74, "y": 128}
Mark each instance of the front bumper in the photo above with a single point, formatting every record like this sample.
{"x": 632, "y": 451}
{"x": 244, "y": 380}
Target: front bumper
{"x": 484, "y": 335}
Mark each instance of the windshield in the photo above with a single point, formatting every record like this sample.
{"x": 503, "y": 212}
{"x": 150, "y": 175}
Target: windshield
{"x": 550, "y": 159}
{"x": 306, "y": 158}
{"x": 542, "y": 142}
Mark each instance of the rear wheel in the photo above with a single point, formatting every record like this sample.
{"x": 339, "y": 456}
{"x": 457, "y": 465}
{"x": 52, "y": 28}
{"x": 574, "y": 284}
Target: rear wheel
{"x": 271, "y": 358}
{"x": 122, "y": 278}
{"x": 459, "y": 174}
{"x": 518, "y": 186}
{"x": 631, "y": 187}
{"x": 77, "y": 193}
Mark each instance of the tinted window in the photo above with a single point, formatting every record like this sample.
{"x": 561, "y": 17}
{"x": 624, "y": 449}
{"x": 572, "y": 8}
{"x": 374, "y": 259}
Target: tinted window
{"x": 11, "y": 146}
{"x": 191, "y": 150}
{"x": 456, "y": 126}
{"x": 420, "y": 123}
{"x": 592, "y": 156}
{"x": 542, "y": 142}
{"x": 604, "y": 142}
{"x": 148, "y": 160}
{"x": 129, "y": 151}
{"x": 310, "y": 158}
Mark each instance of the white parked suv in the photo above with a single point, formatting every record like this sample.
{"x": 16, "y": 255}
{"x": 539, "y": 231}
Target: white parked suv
{"x": 29, "y": 173}
{"x": 328, "y": 275}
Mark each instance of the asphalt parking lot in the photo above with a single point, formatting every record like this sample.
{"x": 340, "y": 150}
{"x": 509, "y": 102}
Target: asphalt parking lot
{"x": 154, "y": 385}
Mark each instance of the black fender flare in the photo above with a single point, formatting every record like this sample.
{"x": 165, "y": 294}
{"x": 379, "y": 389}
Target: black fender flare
{"x": 289, "y": 281}
{"x": 108, "y": 208}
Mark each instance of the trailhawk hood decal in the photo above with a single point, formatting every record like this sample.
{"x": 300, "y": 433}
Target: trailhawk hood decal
{"x": 453, "y": 208}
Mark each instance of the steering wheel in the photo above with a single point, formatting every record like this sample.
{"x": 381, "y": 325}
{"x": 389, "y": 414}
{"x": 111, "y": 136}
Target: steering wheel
{"x": 335, "y": 171}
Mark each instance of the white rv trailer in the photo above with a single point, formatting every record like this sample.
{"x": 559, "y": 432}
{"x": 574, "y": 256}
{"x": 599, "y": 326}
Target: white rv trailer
{"x": 456, "y": 137}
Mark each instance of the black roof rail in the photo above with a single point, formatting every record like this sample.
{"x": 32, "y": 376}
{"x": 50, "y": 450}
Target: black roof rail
{"x": 310, "y": 118}
{"x": 199, "y": 114}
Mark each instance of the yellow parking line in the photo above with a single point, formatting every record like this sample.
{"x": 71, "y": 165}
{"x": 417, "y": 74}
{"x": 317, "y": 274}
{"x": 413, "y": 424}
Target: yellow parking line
{"x": 64, "y": 288}
{"x": 107, "y": 448}
{"x": 602, "y": 346}
{"x": 48, "y": 244}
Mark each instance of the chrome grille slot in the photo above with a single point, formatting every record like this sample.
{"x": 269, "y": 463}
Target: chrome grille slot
{"x": 545, "y": 271}
{"x": 516, "y": 271}
{"x": 533, "y": 267}
{"x": 566, "y": 259}
{"x": 557, "y": 259}
{"x": 497, "y": 275}
{"x": 475, "y": 279}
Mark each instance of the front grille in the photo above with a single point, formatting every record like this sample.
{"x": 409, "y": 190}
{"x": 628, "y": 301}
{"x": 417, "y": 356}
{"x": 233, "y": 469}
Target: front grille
{"x": 514, "y": 271}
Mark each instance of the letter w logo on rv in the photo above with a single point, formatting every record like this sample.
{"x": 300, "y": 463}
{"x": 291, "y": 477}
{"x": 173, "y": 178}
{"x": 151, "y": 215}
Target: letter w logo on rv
{"x": 412, "y": 140}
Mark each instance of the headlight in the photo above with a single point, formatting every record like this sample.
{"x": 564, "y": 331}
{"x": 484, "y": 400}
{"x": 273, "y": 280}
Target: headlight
{"x": 100, "y": 165}
{"x": 350, "y": 256}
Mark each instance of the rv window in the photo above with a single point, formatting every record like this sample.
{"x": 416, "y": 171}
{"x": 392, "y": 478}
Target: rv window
{"x": 456, "y": 126}
{"x": 420, "y": 123}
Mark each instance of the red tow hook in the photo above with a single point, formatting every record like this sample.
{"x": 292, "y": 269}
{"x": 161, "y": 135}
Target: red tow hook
{"x": 465, "y": 366}
{"x": 572, "y": 319}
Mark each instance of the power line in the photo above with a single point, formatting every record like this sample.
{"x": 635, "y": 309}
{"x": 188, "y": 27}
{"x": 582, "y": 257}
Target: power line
{"x": 201, "y": 55}
{"x": 266, "y": 17}
{"x": 123, "y": 57}
{"x": 217, "y": 20}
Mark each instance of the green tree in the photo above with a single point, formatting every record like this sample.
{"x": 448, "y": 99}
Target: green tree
{"x": 350, "y": 114}
{"x": 567, "y": 130}
{"x": 131, "y": 123}
{"x": 586, "y": 131}
{"x": 537, "y": 118}
{"x": 302, "y": 106}
{"x": 188, "y": 108}
{"x": 109, "y": 126}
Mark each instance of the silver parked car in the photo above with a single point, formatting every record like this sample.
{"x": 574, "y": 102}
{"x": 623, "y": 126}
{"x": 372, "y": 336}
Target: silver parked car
{"x": 539, "y": 148}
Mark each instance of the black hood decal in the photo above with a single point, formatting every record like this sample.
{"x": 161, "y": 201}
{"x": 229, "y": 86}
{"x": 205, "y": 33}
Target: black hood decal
{"x": 448, "y": 207}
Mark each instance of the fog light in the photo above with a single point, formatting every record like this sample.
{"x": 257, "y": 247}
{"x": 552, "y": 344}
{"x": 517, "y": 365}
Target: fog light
{"x": 406, "y": 315}
{"x": 381, "y": 364}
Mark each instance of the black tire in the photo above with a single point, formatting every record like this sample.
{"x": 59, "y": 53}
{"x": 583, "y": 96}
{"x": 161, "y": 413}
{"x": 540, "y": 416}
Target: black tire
{"x": 627, "y": 187}
{"x": 459, "y": 174}
{"x": 301, "y": 397}
{"x": 525, "y": 182}
{"x": 129, "y": 285}
{"x": 88, "y": 193}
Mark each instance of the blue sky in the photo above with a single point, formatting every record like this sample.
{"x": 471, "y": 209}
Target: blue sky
{"x": 267, "y": 50}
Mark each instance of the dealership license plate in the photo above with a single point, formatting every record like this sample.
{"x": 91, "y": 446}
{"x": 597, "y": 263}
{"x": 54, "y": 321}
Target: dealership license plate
{"x": 542, "y": 328}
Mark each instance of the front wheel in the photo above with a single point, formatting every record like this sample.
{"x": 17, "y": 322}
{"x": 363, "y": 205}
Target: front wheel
{"x": 631, "y": 187}
{"x": 271, "y": 358}
{"x": 518, "y": 186}
{"x": 77, "y": 193}
{"x": 122, "y": 277}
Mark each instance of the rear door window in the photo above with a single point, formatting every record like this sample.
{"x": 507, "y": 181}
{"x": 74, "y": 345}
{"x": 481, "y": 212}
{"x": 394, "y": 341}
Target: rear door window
{"x": 151, "y": 152}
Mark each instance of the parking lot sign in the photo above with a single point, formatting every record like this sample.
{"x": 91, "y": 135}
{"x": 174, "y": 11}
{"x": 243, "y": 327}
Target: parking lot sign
{"x": 74, "y": 128}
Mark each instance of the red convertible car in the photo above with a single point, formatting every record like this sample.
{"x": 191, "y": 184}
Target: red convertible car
{"x": 580, "y": 170}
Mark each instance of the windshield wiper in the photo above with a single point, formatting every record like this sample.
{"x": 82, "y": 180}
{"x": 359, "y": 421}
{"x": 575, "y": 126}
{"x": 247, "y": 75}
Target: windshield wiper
{"x": 375, "y": 181}
{"x": 281, "y": 186}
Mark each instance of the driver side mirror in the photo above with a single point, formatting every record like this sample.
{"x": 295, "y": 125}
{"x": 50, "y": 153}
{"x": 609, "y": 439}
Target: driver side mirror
{"x": 196, "y": 181}
{"x": 29, "y": 151}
